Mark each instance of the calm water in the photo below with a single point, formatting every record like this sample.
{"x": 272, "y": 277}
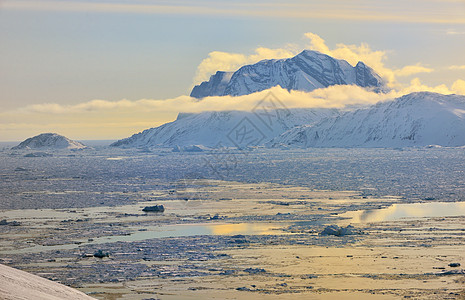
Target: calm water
{"x": 167, "y": 231}
{"x": 410, "y": 210}
{"x": 391, "y": 213}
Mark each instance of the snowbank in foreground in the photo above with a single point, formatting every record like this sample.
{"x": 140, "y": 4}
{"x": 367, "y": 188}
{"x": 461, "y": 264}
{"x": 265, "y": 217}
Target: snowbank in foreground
{"x": 20, "y": 285}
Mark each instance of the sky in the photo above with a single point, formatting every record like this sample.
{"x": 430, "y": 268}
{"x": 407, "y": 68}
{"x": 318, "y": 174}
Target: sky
{"x": 106, "y": 69}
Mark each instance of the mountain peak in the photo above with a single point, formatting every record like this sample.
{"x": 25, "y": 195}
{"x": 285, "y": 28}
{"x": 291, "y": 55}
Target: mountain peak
{"x": 313, "y": 53}
{"x": 307, "y": 71}
{"x": 423, "y": 95}
{"x": 318, "y": 55}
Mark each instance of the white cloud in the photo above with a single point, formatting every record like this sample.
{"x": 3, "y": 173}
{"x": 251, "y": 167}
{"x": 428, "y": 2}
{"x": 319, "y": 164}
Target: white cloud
{"x": 454, "y": 32}
{"x": 457, "y": 67}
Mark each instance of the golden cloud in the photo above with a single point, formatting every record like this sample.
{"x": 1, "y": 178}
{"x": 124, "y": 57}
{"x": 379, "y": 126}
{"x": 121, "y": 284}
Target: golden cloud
{"x": 102, "y": 119}
{"x": 228, "y": 62}
{"x": 373, "y": 58}
{"x": 457, "y": 67}
{"x": 459, "y": 87}
{"x": 375, "y": 11}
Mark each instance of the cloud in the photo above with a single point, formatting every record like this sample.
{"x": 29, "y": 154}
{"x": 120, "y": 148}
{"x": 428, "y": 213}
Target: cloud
{"x": 417, "y": 86}
{"x": 373, "y": 58}
{"x": 366, "y": 11}
{"x": 459, "y": 87}
{"x": 102, "y": 119}
{"x": 334, "y": 96}
{"x": 454, "y": 32}
{"x": 228, "y": 62}
{"x": 317, "y": 43}
{"x": 118, "y": 119}
{"x": 411, "y": 70}
{"x": 90, "y": 106}
{"x": 457, "y": 67}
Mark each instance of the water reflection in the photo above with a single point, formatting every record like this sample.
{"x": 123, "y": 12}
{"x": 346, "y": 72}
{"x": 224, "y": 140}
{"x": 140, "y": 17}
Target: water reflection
{"x": 199, "y": 229}
{"x": 410, "y": 210}
{"x": 243, "y": 228}
{"x": 168, "y": 231}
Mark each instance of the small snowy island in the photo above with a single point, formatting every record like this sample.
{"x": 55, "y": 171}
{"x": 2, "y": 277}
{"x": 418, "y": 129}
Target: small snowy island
{"x": 49, "y": 141}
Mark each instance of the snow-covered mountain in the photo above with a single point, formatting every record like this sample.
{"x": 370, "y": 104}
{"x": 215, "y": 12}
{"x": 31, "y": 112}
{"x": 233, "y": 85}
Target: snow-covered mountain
{"x": 49, "y": 141}
{"x": 306, "y": 71}
{"x": 225, "y": 129}
{"x": 417, "y": 119}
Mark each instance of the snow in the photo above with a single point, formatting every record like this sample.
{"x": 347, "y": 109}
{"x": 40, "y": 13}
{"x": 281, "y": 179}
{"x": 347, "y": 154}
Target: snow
{"x": 49, "y": 141}
{"x": 417, "y": 119}
{"x": 20, "y": 285}
{"x": 225, "y": 129}
{"x": 306, "y": 71}
{"x": 191, "y": 148}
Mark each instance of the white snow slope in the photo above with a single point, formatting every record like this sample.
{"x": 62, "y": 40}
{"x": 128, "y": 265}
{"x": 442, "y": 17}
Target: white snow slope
{"x": 225, "y": 129}
{"x": 19, "y": 285}
{"x": 49, "y": 141}
{"x": 417, "y": 119}
{"x": 306, "y": 71}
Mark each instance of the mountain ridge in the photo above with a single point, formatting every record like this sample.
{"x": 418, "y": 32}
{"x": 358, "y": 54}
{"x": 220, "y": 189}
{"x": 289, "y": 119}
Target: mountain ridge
{"x": 416, "y": 119}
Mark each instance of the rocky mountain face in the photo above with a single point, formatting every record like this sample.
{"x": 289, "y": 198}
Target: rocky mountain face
{"x": 214, "y": 87}
{"x": 306, "y": 71}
